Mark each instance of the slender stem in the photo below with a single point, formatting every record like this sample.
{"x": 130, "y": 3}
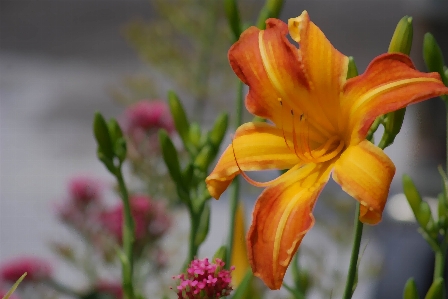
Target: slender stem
{"x": 204, "y": 65}
{"x": 128, "y": 238}
{"x": 439, "y": 267}
{"x": 235, "y": 195}
{"x": 354, "y": 257}
{"x": 192, "y": 249}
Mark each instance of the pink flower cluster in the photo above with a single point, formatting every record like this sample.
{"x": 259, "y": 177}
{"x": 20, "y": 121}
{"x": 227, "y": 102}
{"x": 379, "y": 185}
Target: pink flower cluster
{"x": 84, "y": 199}
{"x": 141, "y": 122}
{"x": 37, "y": 269}
{"x": 204, "y": 280}
{"x": 150, "y": 218}
{"x": 145, "y": 115}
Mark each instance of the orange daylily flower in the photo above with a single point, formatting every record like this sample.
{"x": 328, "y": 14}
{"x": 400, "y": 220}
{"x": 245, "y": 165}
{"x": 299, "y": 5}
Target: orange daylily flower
{"x": 319, "y": 124}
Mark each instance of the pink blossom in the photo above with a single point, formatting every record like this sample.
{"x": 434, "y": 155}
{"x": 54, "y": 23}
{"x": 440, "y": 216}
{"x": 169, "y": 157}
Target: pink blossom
{"x": 110, "y": 287}
{"x": 145, "y": 115}
{"x": 204, "y": 280}
{"x": 150, "y": 218}
{"x": 12, "y": 296}
{"x": 84, "y": 200}
{"x": 83, "y": 190}
{"x": 36, "y": 268}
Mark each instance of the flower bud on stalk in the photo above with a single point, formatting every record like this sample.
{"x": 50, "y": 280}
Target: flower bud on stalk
{"x": 233, "y": 17}
{"x": 180, "y": 118}
{"x": 401, "y": 42}
{"x": 271, "y": 9}
{"x": 410, "y": 290}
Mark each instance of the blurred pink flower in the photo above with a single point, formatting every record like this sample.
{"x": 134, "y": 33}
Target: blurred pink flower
{"x": 110, "y": 287}
{"x": 36, "y": 268}
{"x": 204, "y": 280}
{"x": 83, "y": 190}
{"x": 150, "y": 217}
{"x": 4, "y": 292}
{"x": 145, "y": 115}
{"x": 83, "y": 201}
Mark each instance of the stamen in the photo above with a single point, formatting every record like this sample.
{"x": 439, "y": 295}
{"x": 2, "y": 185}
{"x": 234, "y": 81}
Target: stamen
{"x": 332, "y": 154}
{"x": 294, "y": 139}
{"x": 251, "y": 181}
{"x": 283, "y": 131}
{"x": 305, "y": 139}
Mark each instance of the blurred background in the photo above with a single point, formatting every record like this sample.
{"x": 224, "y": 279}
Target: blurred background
{"x": 60, "y": 61}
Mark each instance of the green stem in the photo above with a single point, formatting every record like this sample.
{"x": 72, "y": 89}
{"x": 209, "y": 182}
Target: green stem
{"x": 205, "y": 56}
{"x": 235, "y": 195}
{"x": 128, "y": 238}
{"x": 439, "y": 267}
{"x": 354, "y": 257}
{"x": 192, "y": 249}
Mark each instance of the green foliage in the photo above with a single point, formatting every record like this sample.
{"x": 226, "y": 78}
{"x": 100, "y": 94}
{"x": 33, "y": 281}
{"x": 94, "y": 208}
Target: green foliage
{"x": 190, "y": 186}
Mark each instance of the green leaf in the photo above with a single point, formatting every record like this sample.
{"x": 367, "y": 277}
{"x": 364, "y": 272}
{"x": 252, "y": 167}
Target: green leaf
{"x": 436, "y": 290}
{"x": 233, "y": 17}
{"x": 401, "y": 41}
{"x": 101, "y": 132}
{"x": 221, "y": 254}
{"x": 410, "y": 290}
{"x": 244, "y": 286}
{"x": 170, "y": 157}
{"x": 432, "y": 54}
{"x": 412, "y": 195}
{"x": 218, "y": 131}
{"x": 204, "y": 226}
{"x": 179, "y": 116}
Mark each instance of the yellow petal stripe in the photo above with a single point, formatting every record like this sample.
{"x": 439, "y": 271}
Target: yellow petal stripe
{"x": 282, "y": 216}
{"x": 256, "y": 146}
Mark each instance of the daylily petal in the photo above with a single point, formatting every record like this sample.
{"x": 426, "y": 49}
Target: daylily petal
{"x": 269, "y": 64}
{"x": 325, "y": 67}
{"x": 389, "y": 83}
{"x": 281, "y": 218}
{"x": 365, "y": 172}
{"x": 256, "y": 146}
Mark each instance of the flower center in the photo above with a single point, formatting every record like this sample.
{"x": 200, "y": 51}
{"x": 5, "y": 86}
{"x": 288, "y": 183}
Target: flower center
{"x": 302, "y": 147}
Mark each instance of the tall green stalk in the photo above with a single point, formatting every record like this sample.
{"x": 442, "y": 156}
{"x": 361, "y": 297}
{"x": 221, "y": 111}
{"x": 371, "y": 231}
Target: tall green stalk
{"x": 353, "y": 267}
{"x": 128, "y": 238}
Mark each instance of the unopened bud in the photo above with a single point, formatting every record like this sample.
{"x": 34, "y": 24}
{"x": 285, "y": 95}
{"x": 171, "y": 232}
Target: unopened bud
{"x": 102, "y": 136}
{"x": 401, "y": 41}
{"x": 410, "y": 290}
{"x": 271, "y": 9}
{"x": 170, "y": 156}
{"x": 219, "y": 129}
{"x": 412, "y": 195}
{"x": 432, "y": 54}
{"x": 180, "y": 118}
{"x": 221, "y": 253}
